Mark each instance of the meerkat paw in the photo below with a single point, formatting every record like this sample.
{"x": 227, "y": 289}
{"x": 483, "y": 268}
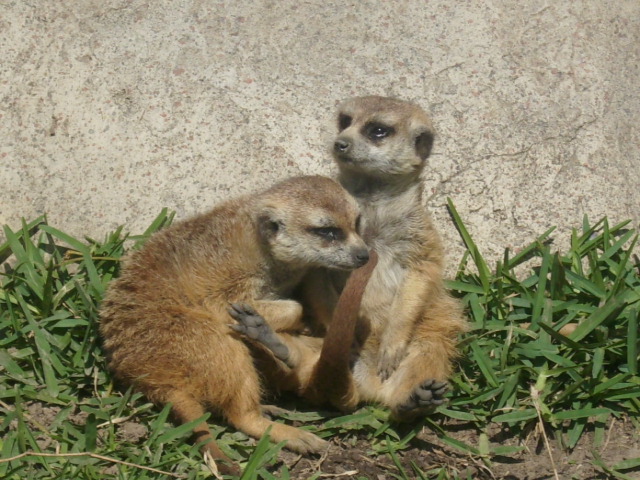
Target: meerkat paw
{"x": 273, "y": 411}
{"x": 307, "y": 442}
{"x": 424, "y": 399}
{"x": 252, "y": 325}
{"x": 389, "y": 361}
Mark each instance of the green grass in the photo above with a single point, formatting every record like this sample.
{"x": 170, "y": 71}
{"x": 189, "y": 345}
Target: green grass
{"x": 517, "y": 370}
{"x": 515, "y": 374}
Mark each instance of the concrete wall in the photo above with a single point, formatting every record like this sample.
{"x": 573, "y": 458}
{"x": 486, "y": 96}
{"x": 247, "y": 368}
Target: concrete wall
{"x": 112, "y": 109}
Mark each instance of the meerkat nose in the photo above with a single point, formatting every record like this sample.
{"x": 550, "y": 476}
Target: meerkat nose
{"x": 361, "y": 256}
{"x": 341, "y": 146}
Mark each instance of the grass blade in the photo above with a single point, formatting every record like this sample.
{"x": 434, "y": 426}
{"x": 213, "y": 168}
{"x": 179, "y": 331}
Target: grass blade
{"x": 596, "y": 319}
{"x": 481, "y": 265}
{"x": 632, "y": 342}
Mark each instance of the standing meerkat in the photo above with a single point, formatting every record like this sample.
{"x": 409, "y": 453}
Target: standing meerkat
{"x": 408, "y": 321}
{"x": 165, "y": 319}
{"x": 381, "y": 150}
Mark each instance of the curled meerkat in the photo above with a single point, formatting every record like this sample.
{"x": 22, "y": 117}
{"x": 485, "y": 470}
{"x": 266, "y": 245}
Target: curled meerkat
{"x": 409, "y": 320}
{"x": 165, "y": 319}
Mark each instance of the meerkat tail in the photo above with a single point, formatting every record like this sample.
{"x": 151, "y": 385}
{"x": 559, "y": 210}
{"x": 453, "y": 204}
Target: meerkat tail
{"x": 331, "y": 378}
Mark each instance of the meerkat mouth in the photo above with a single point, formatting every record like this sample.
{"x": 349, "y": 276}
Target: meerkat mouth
{"x": 351, "y": 160}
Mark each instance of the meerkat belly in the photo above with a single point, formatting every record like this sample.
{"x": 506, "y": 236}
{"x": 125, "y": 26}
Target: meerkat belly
{"x": 383, "y": 286}
{"x": 388, "y": 227}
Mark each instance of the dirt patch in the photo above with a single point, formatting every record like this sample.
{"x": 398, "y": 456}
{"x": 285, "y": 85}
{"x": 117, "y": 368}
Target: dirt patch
{"x": 352, "y": 456}
{"x": 353, "y": 459}
{"x": 42, "y": 416}
{"x": 41, "y": 413}
{"x": 132, "y": 432}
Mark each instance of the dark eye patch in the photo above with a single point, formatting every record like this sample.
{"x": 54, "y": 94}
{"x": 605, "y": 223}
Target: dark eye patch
{"x": 344, "y": 121}
{"x": 377, "y": 131}
{"x": 328, "y": 233}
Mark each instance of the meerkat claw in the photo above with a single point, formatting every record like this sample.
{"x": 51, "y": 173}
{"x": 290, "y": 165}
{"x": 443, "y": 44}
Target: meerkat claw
{"x": 428, "y": 395}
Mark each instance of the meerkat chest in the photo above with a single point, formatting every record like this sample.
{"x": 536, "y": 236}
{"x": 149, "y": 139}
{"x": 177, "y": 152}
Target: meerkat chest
{"x": 386, "y": 280}
{"x": 391, "y": 228}
{"x": 383, "y": 287}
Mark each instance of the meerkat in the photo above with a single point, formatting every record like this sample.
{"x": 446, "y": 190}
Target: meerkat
{"x": 165, "y": 320}
{"x": 409, "y": 320}
{"x": 381, "y": 150}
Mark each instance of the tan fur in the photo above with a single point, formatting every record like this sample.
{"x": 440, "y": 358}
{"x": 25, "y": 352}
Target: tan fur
{"x": 413, "y": 321}
{"x": 165, "y": 320}
{"x": 408, "y": 322}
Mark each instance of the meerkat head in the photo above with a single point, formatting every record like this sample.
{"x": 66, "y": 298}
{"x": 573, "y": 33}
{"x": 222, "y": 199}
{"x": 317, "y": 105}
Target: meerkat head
{"x": 382, "y": 137}
{"x": 311, "y": 222}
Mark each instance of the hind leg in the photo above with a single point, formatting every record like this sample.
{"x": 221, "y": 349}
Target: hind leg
{"x": 234, "y": 389}
{"x": 186, "y": 409}
{"x": 419, "y": 383}
{"x": 253, "y": 423}
{"x": 424, "y": 398}
{"x": 244, "y": 412}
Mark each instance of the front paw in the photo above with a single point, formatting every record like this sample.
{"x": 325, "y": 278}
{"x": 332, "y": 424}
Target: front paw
{"x": 390, "y": 360}
{"x": 424, "y": 399}
{"x": 252, "y": 325}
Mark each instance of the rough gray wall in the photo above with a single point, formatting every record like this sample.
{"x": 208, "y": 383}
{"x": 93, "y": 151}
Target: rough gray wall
{"x": 112, "y": 109}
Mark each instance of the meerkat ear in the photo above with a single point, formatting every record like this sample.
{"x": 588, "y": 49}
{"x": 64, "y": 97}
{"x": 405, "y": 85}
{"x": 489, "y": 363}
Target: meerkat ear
{"x": 424, "y": 144}
{"x": 269, "y": 224}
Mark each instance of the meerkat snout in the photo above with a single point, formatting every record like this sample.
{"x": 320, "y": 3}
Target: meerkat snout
{"x": 361, "y": 256}
{"x": 346, "y": 253}
{"x": 341, "y": 146}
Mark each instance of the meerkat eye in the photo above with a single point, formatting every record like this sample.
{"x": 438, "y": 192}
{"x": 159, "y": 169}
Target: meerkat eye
{"x": 378, "y": 131}
{"x": 329, "y": 233}
{"x": 344, "y": 121}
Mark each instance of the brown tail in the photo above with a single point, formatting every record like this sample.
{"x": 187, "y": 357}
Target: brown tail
{"x": 331, "y": 378}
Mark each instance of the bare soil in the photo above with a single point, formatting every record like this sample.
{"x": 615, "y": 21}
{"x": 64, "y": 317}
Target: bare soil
{"x": 352, "y": 457}
{"x": 427, "y": 452}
